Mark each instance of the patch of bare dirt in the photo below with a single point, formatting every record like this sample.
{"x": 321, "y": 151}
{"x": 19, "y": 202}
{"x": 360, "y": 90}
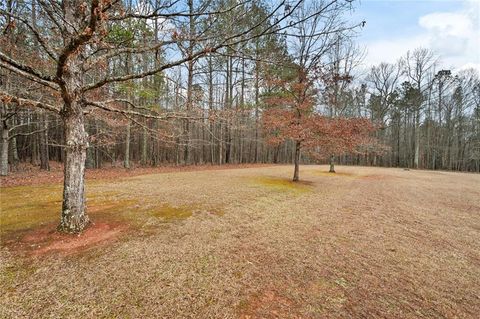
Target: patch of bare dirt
{"x": 46, "y": 240}
{"x": 268, "y": 304}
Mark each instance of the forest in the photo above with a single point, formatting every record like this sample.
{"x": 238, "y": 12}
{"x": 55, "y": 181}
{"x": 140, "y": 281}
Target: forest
{"x": 193, "y": 87}
{"x": 199, "y": 86}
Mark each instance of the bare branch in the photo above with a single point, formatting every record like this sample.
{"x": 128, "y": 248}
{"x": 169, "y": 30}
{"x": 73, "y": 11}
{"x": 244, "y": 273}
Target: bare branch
{"x": 103, "y": 106}
{"x": 15, "y": 65}
{"x": 8, "y": 98}
{"x": 27, "y": 133}
{"x": 29, "y": 76}
{"x": 157, "y": 14}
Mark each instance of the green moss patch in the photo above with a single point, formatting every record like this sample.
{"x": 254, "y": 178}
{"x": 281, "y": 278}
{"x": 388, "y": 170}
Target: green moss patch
{"x": 168, "y": 212}
{"x": 283, "y": 184}
{"x": 25, "y": 208}
{"x": 28, "y": 206}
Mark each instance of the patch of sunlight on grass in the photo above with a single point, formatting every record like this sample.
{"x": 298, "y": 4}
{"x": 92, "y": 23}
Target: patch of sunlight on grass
{"x": 283, "y": 184}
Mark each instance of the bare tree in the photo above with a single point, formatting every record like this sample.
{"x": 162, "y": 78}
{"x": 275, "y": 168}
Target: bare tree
{"x": 83, "y": 41}
{"x": 418, "y": 66}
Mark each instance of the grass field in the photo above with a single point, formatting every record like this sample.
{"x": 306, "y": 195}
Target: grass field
{"x": 248, "y": 243}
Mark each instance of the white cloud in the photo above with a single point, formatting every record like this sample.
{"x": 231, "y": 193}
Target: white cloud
{"x": 455, "y": 36}
{"x": 392, "y": 49}
{"x": 470, "y": 66}
{"x": 447, "y": 23}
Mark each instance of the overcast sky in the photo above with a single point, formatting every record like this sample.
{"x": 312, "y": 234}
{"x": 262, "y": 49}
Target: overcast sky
{"x": 449, "y": 27}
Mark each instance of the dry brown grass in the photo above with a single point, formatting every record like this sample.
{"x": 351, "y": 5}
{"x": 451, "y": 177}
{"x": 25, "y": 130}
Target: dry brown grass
{"x": 367, "y": 243}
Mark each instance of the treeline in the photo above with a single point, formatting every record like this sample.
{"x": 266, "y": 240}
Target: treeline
{"x": 430, "y": 116}
{"x": 212, "y": 105}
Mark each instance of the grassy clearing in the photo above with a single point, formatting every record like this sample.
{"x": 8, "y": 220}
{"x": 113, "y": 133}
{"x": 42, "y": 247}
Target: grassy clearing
{"x": 248, "y": 243}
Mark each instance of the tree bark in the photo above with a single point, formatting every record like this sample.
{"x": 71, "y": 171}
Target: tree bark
{"x": 210, "y": 107}
{"x": 74, "y": 218}
{"x": 44, "y": 160}
{"x": 296, "y": 171}
{"x": 126, "y": 159}
{"x": 4, "y": 155}
{"x": 186, "y": 152}
{"x": 257, "y": 100}
{"x": 144, "y": 145}
{"x": 332, "y": 164}
{"x": 417, "y": 140}
{"x": 13, "y": 153}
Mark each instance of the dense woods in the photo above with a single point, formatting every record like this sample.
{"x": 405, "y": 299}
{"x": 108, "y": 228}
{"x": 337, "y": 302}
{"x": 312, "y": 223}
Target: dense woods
{"x": 127, "y": 83}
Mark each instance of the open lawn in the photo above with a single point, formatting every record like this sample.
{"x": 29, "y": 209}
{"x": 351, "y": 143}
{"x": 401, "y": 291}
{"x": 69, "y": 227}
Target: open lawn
{"x": 248, "y": 243}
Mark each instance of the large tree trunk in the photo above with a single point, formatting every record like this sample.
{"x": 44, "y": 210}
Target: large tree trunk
{"x": 296, "y": 171}
{"x": 4, "y": 154}
{"x": 332, "y": 164}
{"x": 74, "y": 218}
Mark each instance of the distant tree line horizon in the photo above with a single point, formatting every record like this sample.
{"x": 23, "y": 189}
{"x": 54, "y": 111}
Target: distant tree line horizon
{"x": 428, "y": 122}
{"x": 429, "y": 117}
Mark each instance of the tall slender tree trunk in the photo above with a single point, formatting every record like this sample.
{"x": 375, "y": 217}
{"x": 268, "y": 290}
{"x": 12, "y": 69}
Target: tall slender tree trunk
{"x": 4, "y": 150}
{"x": 296, "y": 172}
{"x": 34, "y": 143}
{"x": 220, "y": 145}
{"x": 257, "y": 99}
{"x": 126, "y": 159}
{"x": 187, "y": 152}
{"x": 43, "y": 118}
{"x": 417, "y": 140}
{"x": 210, "y": 107}
{"x": 144, "y": 145}
{"x": 13, "y": 153}
{"x": 417, "y": 153}
{"x": 44, "y": 158}
{"x": 398, "y": 144}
